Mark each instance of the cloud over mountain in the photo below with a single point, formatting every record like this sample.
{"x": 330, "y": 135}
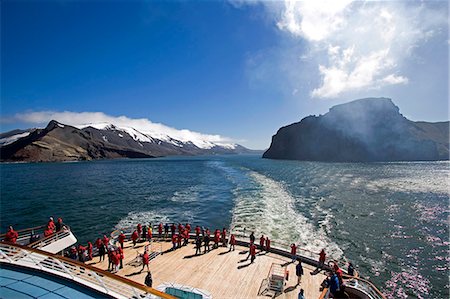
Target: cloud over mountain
{"x": 84, "y": 119}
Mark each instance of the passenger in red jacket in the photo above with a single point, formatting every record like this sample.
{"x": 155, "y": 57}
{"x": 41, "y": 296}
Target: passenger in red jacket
{"x": 134, "y": 237}
{"x": 267, "y": 244}
{"x": 145, "y": 260}
{"x": 160, "y": 230}
{"x": 115, "y": 260}
{"x": 252, "y": 252}
{"x": 105, "y": 241}
{"x": 261, "y": 242}
{"x": 179, "y": 238}
{"x": 48, "y": 232}
{"x": 186, "y": 237}
{"x": 294, "y": 252}
{"x": 180, "y": 228}
{"x": 197, "y": 230}
{"x": 216, "y": 238}
{"x": 98, "y": 243}
{"x": 139, "y": 229}
{"x": 232, "y": 242}
{"x": 322, "y": 257}
{"x": 121, "y": 256}
{"x": 121, "y": 239}
{"x": 11, "y": 236}
{"x": 50, "y": 224}
{"x": 174, "y": 241}
{"x": 90, "y": 248}
{"x": 188, "y": 227}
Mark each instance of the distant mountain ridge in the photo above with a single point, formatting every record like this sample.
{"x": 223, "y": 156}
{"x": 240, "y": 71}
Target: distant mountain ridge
{"x": 370, "y": 129}
{"x": 60, "y": 142}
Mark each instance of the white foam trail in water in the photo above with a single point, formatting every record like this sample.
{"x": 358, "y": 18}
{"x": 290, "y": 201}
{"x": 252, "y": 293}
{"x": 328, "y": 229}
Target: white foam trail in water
{"x": 154, "y": 217}
{"x": 189, "y": 194}
{"x": 269, "y": 209}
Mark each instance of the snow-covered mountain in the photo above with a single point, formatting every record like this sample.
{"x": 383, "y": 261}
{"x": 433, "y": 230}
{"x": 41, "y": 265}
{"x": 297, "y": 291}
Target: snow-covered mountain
{"x": 60, "y": 142}
{"x": 173, "y": 136}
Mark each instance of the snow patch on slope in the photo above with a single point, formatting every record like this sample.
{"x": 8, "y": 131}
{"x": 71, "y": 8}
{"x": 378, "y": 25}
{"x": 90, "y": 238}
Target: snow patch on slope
{"x": 14, "y": 138}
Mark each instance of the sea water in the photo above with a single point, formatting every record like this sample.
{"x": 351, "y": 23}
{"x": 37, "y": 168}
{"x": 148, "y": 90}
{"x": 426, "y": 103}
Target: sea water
{"x": 389, "y": 219}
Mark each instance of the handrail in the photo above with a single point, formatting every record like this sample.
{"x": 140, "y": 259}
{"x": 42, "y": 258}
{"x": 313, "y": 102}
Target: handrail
{"x": 77, "y": 269}
{"x": 47, "y": 240}
{"x": 25, "y": 229}
{"x": 325, "y": 293}
{"x": 372, "y": 286}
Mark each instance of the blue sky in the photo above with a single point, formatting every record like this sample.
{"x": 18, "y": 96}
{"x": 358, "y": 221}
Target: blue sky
{"x": 237, "y": 69}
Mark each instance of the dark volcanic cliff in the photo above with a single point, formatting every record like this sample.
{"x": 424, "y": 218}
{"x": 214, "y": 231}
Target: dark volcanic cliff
{"x": 363, "y": 130}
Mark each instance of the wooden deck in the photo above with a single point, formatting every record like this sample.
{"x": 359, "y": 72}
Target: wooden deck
{"x": 224, "y": 274}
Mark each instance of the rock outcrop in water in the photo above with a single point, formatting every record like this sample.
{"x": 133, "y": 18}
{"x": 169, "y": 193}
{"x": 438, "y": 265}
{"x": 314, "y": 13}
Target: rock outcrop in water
{"x": 59, "y": 142}
{"x": 363, "y": 130}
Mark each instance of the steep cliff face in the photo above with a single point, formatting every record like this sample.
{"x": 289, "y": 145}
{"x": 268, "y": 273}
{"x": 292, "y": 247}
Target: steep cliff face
{"x": 363, "y": 130}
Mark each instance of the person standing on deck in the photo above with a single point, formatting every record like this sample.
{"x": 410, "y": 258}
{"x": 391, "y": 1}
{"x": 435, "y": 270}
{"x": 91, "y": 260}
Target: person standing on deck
{"x": 301, "y": 294}
{"x": 89, "y": 248}
{"x": 105, "y": 240}
{"x": 180, "y": 228}
{"x": 139, "y": 230}
{"x": 134, "y": 237}
{"x": 115, "y": 258}
{"x": 197, "y": 231}
{"x": 186, "y": 237}
{"x": 232, "y": 242}
{"x": 293, "y": 252}
{"x": 101, "y": 251}
{"x": 11, "y": 236}
{"x": 179, "y": 238}
{"x": 59, "y": 224}
{"x": 224, "y": 237}
{"x": 216, "y": 238}
{"x": 121, "y": 239}
{"x": 198, "y": 245}
{"x": 150, "y": 233}
{"x": 322, "y": 257}
{"x": 333, "y": 283}
{"x": 351, "y": 269}
{"x": 174, "y": 241}
{"x": 252, "y": 237}
{"x": 261, "y": 242}
{"x": 206, "y": 240}
{"x": 50, "y": 224}
{"x": 166, "y": 230}
{"x": 299, "y": 272}
{"x": 121, "y": 256}
{"x": 160, "y": 230}
{"x": 144, "y": 233}
{"x": 188, "y": 227}
{"x": 267, "y": 244}
{"x": 172, "y": 228}
{"x": 149, "y": 279}
{"x": 252, "y": 252}
{"x": 145, "y": 260}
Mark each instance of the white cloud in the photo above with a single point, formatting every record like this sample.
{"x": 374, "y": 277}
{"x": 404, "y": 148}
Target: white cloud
{"x": 359, "y": 45}
{"x": 83, "y": 119}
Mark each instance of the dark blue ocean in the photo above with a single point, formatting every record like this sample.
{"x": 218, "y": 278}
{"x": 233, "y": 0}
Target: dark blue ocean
{"x": 390, "y": 219}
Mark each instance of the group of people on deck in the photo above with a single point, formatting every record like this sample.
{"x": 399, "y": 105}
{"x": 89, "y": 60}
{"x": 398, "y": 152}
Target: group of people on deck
{"x": 51, "y": 227}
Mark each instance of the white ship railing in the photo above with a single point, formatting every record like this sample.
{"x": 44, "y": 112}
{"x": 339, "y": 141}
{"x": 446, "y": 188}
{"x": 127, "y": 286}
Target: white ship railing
{"x": 53, "y": 243}
{"x": 93, "y": 278}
